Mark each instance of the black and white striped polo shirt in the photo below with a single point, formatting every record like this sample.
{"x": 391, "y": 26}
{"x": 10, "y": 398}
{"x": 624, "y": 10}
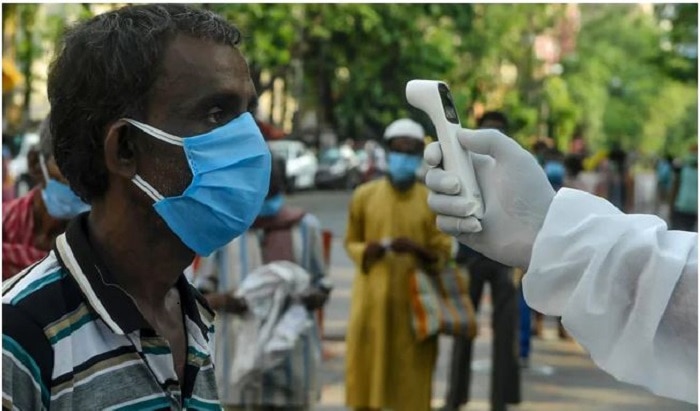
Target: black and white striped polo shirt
{"x": 73, "y": 339}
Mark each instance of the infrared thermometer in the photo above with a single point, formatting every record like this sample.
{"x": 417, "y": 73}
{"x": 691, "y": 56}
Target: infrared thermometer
{"x": 434, "y": 98}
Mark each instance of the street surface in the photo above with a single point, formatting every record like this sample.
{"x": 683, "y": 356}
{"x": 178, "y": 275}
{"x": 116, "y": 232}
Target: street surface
{"x": 561, "y": 376}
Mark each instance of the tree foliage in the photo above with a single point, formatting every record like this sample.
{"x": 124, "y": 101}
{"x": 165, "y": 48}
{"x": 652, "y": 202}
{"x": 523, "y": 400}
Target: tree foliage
{"x": 629, "y": 79}
{"x": 625, "y": 96}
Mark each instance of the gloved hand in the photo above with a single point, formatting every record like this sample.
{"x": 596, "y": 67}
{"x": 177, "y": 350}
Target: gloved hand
{"x": 514, "y": 188}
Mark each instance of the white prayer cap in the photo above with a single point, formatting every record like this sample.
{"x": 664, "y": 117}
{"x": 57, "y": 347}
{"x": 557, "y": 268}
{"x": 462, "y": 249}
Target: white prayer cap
{"x": 404, "y": 127}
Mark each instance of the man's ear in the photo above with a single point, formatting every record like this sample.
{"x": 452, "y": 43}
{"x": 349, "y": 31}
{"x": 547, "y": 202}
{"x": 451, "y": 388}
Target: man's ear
{"x": 120, "y": 151}
{"x": 34, "y": 167}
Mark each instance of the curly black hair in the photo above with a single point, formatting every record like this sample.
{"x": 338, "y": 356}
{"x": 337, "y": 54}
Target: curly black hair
{"x": 104, "y": 70}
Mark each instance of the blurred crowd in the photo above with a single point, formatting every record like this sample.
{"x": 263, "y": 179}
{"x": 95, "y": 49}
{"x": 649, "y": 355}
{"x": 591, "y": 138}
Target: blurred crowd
{"x": 609, "y": 173}
{"x": 615, "y": 175}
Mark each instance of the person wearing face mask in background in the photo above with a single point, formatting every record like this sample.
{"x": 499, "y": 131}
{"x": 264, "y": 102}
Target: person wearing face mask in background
{"x": 31, "y": 223}
{"x": 280, "y": 233}
{"x": 390, "y": 234}
{"x": 170, "y": 169}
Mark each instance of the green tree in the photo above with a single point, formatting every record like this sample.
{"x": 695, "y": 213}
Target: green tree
{"x": 617, "y": 82}
{"x": 679, "y": 56}
{"x": 631, "y": 80}
{"x": 500, "y": 36}
{"x": 27, "y": 49}
{"x": 352, "y": 60}
{"x": 270, "y": 37}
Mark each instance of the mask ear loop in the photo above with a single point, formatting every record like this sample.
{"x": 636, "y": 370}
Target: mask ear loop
{"x": 147, "y": 188}
{"x": 44, "y": 170}
{"x": 159, "y": 134}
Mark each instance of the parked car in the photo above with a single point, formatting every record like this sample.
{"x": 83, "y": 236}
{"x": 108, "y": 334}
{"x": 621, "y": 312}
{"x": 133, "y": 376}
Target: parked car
{"x": 19, "y": 167}
{"x": 338, "y": 170}
{"x": 301, "y": 163}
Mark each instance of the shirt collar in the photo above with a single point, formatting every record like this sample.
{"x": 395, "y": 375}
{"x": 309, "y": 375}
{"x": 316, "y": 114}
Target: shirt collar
{"x": 114, "y": 305}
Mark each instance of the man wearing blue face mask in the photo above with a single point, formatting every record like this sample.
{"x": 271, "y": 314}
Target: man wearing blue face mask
{"x": 31, "y": 223}
{"x": 391, "y": 233}
{"x": 150, "y": 113}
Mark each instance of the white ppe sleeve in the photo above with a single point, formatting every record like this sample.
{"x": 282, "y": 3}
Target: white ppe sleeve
{"x": 626, "y": 288}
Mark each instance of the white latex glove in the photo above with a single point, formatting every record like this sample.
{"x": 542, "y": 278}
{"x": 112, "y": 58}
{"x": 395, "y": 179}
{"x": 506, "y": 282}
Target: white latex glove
{"x": 514, "y": 188}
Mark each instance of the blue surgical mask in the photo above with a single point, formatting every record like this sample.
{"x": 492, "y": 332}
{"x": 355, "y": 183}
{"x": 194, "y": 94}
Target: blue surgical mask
{"x": 60, "y": 201}
{"x": 272, "y": 206}
{"x": 403, "y": 167}
{"x": 230, "y": 177}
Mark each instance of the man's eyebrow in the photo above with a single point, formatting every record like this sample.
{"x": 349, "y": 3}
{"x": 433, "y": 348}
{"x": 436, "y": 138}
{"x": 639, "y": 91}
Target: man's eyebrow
{"x": 224, "y": 98}
{"x": 228, "y": 98}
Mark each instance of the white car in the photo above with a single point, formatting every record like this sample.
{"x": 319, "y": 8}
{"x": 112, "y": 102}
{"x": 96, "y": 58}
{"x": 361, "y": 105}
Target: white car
{"x": 301, "y": 162}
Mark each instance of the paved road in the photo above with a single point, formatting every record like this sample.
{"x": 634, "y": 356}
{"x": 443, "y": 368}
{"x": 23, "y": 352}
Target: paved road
{"x": 561, "y": 377}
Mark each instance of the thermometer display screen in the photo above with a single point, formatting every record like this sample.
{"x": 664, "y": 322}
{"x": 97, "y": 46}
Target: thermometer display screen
{"x": 448, "y": 105}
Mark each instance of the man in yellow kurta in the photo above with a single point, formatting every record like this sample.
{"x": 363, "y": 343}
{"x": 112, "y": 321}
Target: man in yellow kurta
{"x": 391, "y": 233}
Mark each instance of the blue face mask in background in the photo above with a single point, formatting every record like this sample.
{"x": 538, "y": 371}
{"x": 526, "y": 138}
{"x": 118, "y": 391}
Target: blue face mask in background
{"x": 60, "y": 201}
{"x": 272, "y": 206}
{"x": 230, "y": 178}
{"x": 402, "y": 167}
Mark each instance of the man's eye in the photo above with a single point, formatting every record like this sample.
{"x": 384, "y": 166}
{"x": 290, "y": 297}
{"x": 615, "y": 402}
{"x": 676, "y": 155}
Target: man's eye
{"x": 215, "y": 115}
